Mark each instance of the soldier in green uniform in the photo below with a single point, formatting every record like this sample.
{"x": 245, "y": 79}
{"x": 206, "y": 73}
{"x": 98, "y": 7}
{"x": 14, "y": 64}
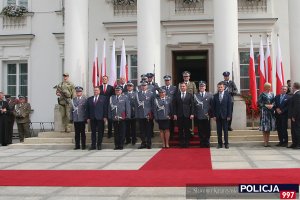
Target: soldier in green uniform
{"x": 65, "y": 92}
{"x": 22, "y": 113}
{"x": 191, "y": 86}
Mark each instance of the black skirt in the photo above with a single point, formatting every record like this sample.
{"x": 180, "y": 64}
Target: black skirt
{"x": 163, "y": 124}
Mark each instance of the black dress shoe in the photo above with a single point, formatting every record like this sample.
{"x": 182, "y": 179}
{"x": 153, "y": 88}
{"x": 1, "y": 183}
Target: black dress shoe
{"x": 284, "y": 145}
{"x": 120, "y": 148}
{"x": 292, "y": 146}
{"x": 128, "y": 142}
{"x": 92, "y": 148}
{"x": 230, "y": 129}
{"x": 76, "y": 148}
{"x": 219, "y": 146}
{"x": 297, "y": 147}
{"x": 99, "y": 147}
{"x": 149, "y": 147}
{"x": 226, "y": 146}
{"x": 278, "y": 145}
{"x": 142, "y": 147}
{"x": 83, "y": 148}
{"x": 116, "y": 148}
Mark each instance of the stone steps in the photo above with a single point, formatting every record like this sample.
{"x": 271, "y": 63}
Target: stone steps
{"x": 58, "y": 140}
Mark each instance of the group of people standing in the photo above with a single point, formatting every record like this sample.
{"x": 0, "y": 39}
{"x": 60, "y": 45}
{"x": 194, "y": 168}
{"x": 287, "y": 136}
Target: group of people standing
{"x": 277, "y": 110}
{"x": 126, "y": 105}
{"x": 12, "y": 111}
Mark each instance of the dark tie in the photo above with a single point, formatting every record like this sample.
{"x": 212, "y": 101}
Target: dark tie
{"x": 182, "y": 96}
{"x": 281, "y": 98}
{"x": 202, "y": 94}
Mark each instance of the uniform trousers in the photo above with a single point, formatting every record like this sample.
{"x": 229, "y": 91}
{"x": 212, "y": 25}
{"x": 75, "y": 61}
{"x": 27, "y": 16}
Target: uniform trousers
{"x": 119, "y": 133}
{"x": 204, "y": 131}
{"x": 24, "y": 131}
{"x": 282, "y": 125}
{"x": 145, "y": 132}
{"x": 131, "y": 131}
{"x": 80, "y": 134}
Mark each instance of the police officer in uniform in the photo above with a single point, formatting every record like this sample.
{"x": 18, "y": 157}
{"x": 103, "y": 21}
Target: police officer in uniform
{"x": 231, "y": 88}
{"x": 131, "y": 122}
{"x": 151, "y": 82}
{"x": 10, "y": 117}
{"x": 118, "y": 111}
{"x": 22, "y": 114}
{"x": 202, "y": 109}
{"x": 143, "y": 112}
{"x": 78, "y": 117}
{"x": 171, "y": 91}
{"x": 162, "y": 110}
{"x": 4, "y": 111}
{"x": 65, "y": 92}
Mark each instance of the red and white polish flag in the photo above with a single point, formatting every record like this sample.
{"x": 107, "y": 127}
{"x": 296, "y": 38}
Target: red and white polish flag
{"x": 113, "y": 73}
{"x": 279, "y": 69}
{"x": 123, "y": 65}
{"x": 261, "y": 67}
{"x": 268, "y": 64}
{"x": 95, "y": 66}
{"x": 252, "y": 76}
{"x": 103, "y": 62}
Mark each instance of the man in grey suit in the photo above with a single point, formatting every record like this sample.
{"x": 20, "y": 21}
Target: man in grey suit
{"x": 143, "y": 112}
{"x": 222, "y": 103}
{"x": 202, "y": 108}
{"x": 78, "y": 117}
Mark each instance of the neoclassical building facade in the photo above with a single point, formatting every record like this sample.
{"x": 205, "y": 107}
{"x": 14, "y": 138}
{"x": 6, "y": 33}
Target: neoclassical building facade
{"x": 205, "y": 37}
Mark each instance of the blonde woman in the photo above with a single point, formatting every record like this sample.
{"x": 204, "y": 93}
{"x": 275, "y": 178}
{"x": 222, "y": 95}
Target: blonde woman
{"x": 267, "y": 117}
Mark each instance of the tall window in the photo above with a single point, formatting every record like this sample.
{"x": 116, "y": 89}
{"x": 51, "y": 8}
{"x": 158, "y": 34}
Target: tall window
{"x": 17, "y": 79}
{"x": 132, "y": 67}
{"x": 244, "y": 71}
{"x": 18, "y": 2}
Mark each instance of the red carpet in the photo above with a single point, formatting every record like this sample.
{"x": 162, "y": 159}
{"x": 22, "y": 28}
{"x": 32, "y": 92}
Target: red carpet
{"x": 169, "y": 168}
{"x": 180, "y": 159}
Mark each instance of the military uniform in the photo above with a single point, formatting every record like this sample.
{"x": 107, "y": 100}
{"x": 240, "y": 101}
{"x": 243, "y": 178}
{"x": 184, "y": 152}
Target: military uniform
{"x": 143, "y": 112}
{"x": 131, "y": 122}
{"x": 78, "y": 117}
{"x": 231, "y": 88}
{"x": 4, "y": 135}
{"x": 66, "y": 89}
{"x": 162, "y": 111}
{"x": 22, "y": 114}
{"x": 10, "y": 118}
{"x": 118, "y": 111}
{"x": 202, "y": 112}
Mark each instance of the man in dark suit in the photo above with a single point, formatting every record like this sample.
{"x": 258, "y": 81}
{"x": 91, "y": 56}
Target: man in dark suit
{"x": 184, "y": 114}
{"x": 222, "y": 103}
{"x": 4, "y": 112}
{"x": 295, "y": 116}
{"x": 231, "y": 88}
{"x": 281, "y": 114}
{"x": 107, "y": 91}
{"x": 122, "y": 84}
{"x": 96, "y": 112}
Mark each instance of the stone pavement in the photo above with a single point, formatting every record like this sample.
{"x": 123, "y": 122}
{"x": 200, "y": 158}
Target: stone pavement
{"x": 248, "y": 157}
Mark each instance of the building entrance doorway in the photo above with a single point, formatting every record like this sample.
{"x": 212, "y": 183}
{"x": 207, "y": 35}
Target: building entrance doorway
{"x": 195, "y": 62}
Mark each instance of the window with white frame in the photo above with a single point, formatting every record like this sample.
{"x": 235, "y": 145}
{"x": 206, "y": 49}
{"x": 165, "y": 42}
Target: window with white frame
{"x": 18, "y": 3}
{"x": 244, "y": 71}
{"x": 132, "y": 67}
{"x": 17, "y": 79}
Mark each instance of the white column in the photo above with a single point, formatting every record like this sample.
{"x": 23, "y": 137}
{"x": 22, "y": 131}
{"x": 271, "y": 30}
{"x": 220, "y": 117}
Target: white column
{"x": 148, "y": 37}
{"x": 294, "y": 16}
{"x": 226, "y": 40}
{"x": 76, "y": 41}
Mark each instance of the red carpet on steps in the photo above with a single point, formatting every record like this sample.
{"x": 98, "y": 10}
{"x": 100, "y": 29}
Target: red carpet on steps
{"x": 169, "y": 168}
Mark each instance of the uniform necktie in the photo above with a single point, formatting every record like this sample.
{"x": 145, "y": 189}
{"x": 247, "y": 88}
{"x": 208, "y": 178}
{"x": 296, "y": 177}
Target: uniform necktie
{"x": 202, "y": 94}
{"x": 182, "y": 96}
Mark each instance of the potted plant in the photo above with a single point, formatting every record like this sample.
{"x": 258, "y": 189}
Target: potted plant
{"x": 14, "y": 11}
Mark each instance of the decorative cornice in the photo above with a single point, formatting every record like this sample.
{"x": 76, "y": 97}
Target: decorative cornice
{"x": 17, "y": 37}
